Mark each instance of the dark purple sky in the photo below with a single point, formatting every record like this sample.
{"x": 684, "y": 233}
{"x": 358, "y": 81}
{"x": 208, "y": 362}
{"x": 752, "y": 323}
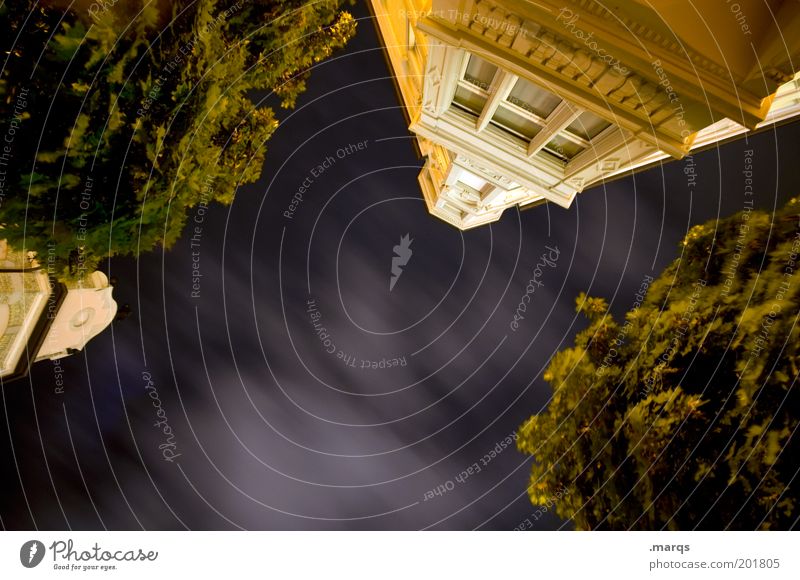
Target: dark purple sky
{"x": 274, "y": 432}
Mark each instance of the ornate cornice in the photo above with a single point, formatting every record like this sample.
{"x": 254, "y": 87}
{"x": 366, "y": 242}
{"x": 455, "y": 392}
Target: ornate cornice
{"x": 642, "y": 31}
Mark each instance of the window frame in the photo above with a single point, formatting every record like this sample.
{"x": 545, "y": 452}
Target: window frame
{"x": 550, "y": 127}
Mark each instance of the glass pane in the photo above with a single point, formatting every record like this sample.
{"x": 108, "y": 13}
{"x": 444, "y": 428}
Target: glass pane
{"x": 588, "y": 125}
{"x": 563, "y": 148}
{"x": 533, "y": 99}
{"x": 469, "y": 100}
{"x": 511, "y": 121}
{"x": 479, "y": 72}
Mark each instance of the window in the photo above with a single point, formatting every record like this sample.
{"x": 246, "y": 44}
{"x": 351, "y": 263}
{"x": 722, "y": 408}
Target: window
{"x": 479, "y": 72}
{"x": 470, "y": 99}
{"x": 531, "y": 116}
{"x": 516, "y": 123}
{"x": 472, "y": 91}
{"x": 588, "y": 126}
{"x": 538, "y": 101}
{"x": 563, "y": 147}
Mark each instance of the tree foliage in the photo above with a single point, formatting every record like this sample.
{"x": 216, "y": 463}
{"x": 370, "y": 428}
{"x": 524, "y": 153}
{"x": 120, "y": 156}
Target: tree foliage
{"x": 123, "y": 112}
{"x": 684, "y": 414}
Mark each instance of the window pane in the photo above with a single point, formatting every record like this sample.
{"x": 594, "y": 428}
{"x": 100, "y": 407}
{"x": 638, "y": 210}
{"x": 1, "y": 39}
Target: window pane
{"x": 469, "y": 100}
{"x": 511, "y": 121}
{"x": 479, "y": 72}
{"x": 533, "y": 99}
{"x": 588, "y": 125}
{"x": 563, "y": 148}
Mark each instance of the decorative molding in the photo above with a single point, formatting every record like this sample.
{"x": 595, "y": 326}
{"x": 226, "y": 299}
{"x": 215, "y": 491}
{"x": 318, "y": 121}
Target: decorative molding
{"x": 484, "y": 172}
{"x": 643, "y": 32}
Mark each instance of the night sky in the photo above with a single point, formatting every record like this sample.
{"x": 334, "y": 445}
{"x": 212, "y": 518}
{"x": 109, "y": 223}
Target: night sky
{"x": 270, "y": 430}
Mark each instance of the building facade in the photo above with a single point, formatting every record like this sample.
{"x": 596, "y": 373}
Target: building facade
{"x": 41, "y": 318}
{"x": 520, "y": 102}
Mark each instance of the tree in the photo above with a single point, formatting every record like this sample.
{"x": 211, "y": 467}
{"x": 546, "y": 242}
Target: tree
{"x": 683, "y": 415}
{"x": 126, "y": 114}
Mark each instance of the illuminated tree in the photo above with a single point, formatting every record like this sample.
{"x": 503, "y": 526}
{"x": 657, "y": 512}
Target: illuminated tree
{"x": 684, "y": 414}
{"x": 131, "y": 107}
